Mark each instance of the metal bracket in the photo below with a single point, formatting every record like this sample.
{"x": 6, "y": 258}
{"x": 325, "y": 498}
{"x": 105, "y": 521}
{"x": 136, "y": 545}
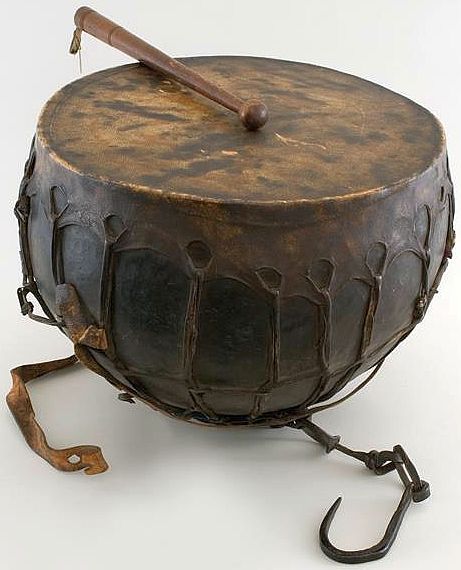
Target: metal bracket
{"x": 27, "y": 308}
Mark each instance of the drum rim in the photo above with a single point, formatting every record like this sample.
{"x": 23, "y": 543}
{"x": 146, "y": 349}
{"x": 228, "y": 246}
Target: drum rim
{"x": 248, "y": 202}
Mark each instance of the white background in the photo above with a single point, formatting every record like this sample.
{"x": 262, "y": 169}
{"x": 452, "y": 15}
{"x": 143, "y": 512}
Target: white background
{"x": 183, "y": 496}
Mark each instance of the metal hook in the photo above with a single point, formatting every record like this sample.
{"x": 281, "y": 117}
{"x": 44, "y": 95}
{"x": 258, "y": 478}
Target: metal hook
{"x": 375, "y": 552}
{"x": 380, "y": 462}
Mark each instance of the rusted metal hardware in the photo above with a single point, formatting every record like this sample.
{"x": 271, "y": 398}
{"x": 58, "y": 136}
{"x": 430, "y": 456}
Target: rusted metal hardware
{"x": 380, "y": 462}
{"x": 126, "y": 397}
{"x": 252, "y": 112}
{"x": 27, "y": 307}
{"x": 29, "y": 286}
{"x": 86, "y": 457}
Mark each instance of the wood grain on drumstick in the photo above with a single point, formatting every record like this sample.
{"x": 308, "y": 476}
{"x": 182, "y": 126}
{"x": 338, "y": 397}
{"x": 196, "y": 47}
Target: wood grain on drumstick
{"x": 253, "y": 113}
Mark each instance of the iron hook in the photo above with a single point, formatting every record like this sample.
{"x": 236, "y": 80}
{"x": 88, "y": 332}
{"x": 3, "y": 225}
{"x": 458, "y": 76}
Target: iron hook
{"x": 380, "y": 462}
{"x": 375, "y": 552}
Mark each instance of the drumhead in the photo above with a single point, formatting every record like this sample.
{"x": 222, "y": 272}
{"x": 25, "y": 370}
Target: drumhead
{"x": 330, "y": 134}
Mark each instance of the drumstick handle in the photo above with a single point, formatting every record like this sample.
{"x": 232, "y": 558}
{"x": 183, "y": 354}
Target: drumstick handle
{"x": 253, "y": 113}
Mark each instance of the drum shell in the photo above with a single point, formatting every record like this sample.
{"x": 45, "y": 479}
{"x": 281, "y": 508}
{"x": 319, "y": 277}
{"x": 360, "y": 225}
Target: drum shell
{"x": 239, "y": 312}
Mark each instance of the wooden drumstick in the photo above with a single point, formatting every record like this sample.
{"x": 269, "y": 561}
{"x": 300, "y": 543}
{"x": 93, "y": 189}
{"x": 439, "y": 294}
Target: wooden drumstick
{"x": 253, "y": 113}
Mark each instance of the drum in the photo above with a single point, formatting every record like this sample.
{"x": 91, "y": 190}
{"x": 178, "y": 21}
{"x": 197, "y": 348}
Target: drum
{"x": 229, "y": 276}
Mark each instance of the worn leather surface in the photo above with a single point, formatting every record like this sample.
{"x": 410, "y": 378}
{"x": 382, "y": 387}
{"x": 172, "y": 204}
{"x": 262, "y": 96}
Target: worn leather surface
{"x": 329, "y": 134}
{"x": 240, "y": 310}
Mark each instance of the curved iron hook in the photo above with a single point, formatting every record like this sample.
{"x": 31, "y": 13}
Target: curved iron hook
{"x": 380, "y": 462}
{"x": 375, "y": 552}
{"x": 416, "y": 490}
